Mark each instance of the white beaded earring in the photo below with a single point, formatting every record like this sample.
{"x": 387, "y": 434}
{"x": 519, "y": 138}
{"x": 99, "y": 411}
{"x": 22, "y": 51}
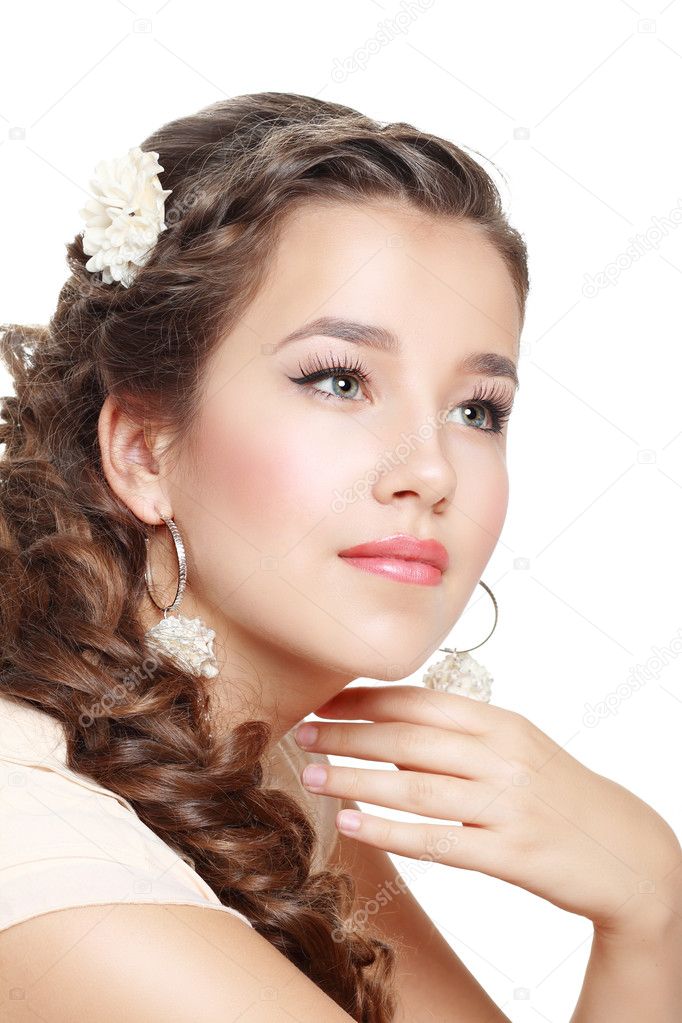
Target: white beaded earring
{"x": 187, "y": 640}
{"x": 460, "y": 673}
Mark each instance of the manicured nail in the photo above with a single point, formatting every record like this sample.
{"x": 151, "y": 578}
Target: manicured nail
{"x": 314, "y": 776}
{"x": 348, "y": 820}
{"x": 305, "y": 735}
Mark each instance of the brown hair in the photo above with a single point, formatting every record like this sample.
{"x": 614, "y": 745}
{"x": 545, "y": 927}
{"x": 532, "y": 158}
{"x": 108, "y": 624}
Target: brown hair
{"x": 72, "y": 555}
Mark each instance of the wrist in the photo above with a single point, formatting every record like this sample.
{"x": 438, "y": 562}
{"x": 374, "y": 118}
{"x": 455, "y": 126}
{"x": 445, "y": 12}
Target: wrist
{"x": 653, "y": 915}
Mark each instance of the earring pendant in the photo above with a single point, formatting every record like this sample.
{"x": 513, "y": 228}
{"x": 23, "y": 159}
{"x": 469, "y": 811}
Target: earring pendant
{"x": 188, "y": 641}
{"x": 459, "y": 672}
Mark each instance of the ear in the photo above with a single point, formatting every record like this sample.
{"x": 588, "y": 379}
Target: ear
{"x": 130, "y": 463}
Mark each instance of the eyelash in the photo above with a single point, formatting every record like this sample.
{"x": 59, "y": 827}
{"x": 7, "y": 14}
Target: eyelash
{"x": 494, "y": 398}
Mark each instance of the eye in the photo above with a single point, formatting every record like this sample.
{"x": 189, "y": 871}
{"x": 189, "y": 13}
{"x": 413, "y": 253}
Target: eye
{"x": 341, "y": 372}
{"x": 495, "y": 400}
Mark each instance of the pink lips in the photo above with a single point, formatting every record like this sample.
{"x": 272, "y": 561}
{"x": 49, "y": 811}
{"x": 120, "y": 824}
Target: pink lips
{"x": 401, "y": 557}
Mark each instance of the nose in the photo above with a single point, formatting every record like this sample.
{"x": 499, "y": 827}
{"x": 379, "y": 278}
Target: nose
{"x": 418, "y": 467}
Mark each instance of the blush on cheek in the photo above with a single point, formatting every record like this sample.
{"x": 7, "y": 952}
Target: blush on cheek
{"x": 492, "y": 510}
{"x": 481, "y": 499}
{"x": 257, "y": 483}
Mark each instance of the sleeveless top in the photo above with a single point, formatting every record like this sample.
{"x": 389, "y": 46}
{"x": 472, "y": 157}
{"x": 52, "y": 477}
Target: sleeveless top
{"x": 66, "y": 841}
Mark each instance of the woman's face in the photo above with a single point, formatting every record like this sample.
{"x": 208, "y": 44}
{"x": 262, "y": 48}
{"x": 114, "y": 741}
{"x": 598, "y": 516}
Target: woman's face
{"x": 286, "y": 474}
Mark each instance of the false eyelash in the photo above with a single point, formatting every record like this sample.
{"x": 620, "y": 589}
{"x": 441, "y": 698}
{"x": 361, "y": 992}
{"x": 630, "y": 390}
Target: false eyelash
{"x": 332, "y": 368}
{"x": 494, "y": 397}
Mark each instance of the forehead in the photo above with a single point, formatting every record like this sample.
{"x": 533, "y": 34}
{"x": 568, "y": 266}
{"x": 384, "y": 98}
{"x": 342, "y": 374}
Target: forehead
{"x": 391, "y": 263}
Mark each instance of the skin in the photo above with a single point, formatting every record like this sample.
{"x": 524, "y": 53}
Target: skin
{"x": 534, "y": 815}
{"x": 295, "y": 624}
{"x": 255, "y": 501}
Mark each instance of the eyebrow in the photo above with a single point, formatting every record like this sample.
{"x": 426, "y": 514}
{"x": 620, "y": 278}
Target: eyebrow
{"x": 382, "y": 339}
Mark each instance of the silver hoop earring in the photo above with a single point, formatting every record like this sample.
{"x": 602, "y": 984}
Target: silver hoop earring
{"x": 460, "y": 673}
{"x": 188, "y": 641}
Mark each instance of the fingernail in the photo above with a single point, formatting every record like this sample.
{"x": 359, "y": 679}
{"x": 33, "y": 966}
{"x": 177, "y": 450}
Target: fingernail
{"x": 305, "y": 735}
{"x": 314, "y": 776}
{"x": 348, "y": 820}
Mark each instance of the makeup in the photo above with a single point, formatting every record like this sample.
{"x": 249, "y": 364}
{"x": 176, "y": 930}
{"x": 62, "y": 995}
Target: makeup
{"x": 401, "y": 557}
{"x": 401, "y": 570}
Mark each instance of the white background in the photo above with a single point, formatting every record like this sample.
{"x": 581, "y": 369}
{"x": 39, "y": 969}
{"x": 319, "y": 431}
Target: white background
{"x": 577, "y": 107}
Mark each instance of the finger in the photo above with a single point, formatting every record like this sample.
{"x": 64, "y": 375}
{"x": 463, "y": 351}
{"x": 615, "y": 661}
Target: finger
{"x": 456, "y": 844}
{"x": 415, "y": 747}
{"x": 417, "y": 704}
{"x": 430, "y": 795}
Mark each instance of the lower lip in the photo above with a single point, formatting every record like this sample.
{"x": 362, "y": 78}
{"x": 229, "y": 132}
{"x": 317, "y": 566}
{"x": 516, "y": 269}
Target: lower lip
{"x": 400, "y": 569}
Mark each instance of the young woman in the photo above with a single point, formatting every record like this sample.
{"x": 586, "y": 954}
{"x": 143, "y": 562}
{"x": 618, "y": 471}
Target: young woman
{"x": 289, "y": 331}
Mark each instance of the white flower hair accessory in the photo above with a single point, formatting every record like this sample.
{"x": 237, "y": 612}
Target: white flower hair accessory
{"x": 125, "y": 216}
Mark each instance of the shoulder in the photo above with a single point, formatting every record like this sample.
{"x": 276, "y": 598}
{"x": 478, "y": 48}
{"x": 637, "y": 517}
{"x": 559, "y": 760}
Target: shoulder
{"x": 66, "y": 842}
{"x": 157, "y": 963}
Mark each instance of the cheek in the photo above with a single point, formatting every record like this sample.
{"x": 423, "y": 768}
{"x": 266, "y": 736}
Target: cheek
{"x": 483, "y": 496}
{"x": 265, "y": 480}
{"x": 495, "y": 509}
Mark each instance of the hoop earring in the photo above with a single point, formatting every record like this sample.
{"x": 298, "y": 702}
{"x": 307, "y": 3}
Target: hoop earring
{"x": 460, "y": 673}
{"x": 188, "y": 641}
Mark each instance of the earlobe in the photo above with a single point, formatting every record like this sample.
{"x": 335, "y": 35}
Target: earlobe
{"x": 129, "y": 462}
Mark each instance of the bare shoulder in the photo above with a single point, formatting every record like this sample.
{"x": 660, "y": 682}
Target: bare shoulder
{"x": 153, "y": 963}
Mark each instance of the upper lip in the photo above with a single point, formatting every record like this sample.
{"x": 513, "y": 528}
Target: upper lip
{"x": 404, "y": 546}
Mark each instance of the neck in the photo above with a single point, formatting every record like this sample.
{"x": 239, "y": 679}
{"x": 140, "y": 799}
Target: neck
{"x": 255, "y": 680}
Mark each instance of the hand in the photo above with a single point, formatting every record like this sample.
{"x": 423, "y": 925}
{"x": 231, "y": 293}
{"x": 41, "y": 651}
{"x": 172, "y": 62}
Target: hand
{"x": 530, "y": 813}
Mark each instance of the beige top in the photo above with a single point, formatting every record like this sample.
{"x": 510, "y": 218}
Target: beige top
{"x": 67, "y": 841}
